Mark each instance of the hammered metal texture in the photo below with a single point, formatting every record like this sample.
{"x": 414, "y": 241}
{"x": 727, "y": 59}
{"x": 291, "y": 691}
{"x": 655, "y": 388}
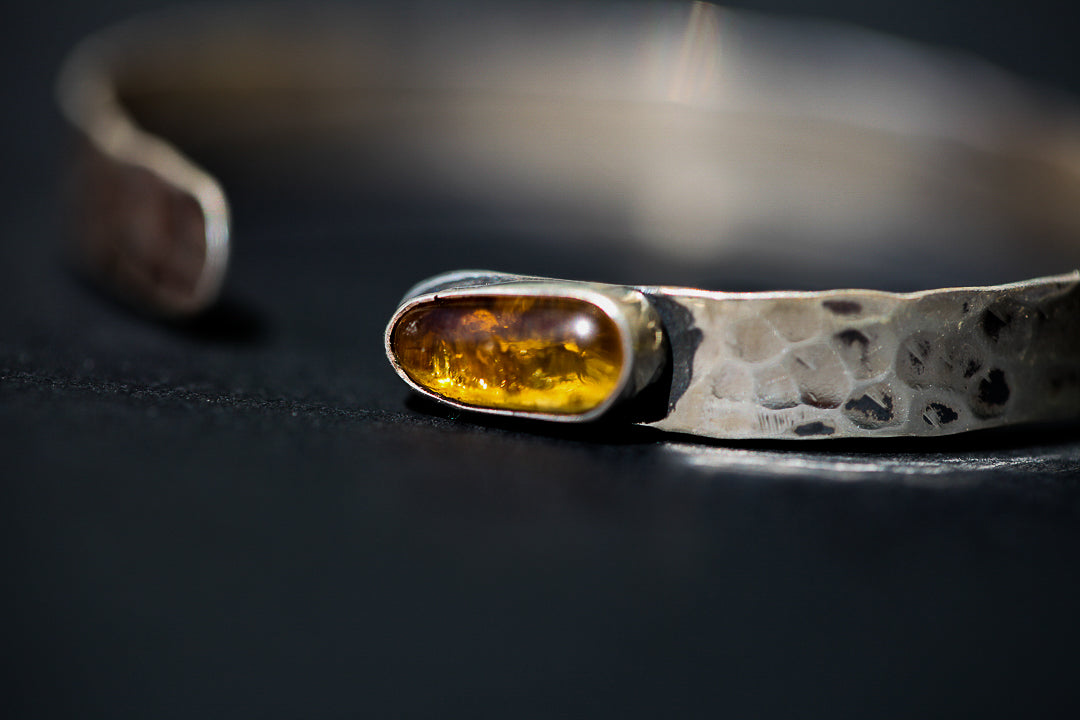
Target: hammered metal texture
{"x": 853, "y": 363}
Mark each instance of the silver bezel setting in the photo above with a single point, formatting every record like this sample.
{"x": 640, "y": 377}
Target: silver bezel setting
{"x": 613, "y": 301}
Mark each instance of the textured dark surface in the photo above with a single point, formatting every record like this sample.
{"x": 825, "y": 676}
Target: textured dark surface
{"x": 250, "y": 516}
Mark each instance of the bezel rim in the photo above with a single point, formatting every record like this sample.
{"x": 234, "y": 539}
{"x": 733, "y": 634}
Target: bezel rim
{"x": 567, "y": 290}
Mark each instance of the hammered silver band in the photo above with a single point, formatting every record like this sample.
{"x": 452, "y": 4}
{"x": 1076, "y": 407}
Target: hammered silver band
{"x": 855, "y": 363}
{"x": 683, "y": 128}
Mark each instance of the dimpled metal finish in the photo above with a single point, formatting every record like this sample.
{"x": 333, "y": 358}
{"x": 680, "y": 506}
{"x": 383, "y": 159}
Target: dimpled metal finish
{"x": 853, "y": 363}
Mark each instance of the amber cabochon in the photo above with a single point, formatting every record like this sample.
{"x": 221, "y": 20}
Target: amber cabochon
{"x": 548, "y": 355}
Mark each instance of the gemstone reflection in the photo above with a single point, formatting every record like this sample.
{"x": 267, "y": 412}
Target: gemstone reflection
{"x": 533, "y": 354}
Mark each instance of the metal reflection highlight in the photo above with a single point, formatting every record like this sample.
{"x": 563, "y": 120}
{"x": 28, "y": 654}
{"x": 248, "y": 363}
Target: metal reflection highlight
{"x": 699, "y": 56}
{"x": 950, "y": 469}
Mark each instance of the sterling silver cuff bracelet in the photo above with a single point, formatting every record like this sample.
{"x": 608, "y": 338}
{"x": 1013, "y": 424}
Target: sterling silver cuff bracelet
{"x": 690, "y": 132}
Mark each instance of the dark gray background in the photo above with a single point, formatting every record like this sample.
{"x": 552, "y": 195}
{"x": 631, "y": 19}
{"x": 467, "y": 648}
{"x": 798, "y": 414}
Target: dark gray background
{"x": 251, "y": 517}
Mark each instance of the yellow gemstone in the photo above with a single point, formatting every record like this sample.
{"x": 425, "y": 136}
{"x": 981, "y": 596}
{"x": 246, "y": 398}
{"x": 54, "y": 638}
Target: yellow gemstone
{"x": 534, "y": 354}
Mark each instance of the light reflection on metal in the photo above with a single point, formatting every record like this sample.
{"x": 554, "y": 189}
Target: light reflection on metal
{"x": 699, "y": 57}
{"x": 946, "y": 468}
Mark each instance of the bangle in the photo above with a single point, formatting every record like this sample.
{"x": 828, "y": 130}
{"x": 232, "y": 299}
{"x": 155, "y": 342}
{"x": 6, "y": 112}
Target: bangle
{"x": 689, "y": 131}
